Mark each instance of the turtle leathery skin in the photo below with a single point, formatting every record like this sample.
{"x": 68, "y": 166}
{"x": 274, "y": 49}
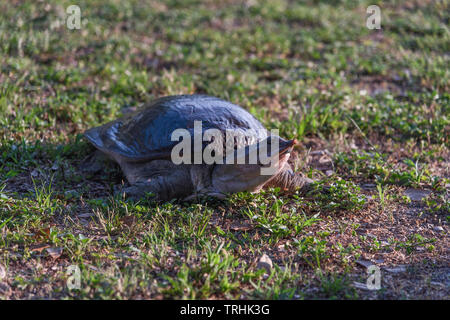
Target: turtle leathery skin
{"x": 141, "y": 143}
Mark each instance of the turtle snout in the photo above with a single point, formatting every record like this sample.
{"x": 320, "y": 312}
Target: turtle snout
{"x": 286, "y": 146}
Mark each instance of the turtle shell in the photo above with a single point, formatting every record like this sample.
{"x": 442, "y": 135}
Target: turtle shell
{"x": 146, "y": 134}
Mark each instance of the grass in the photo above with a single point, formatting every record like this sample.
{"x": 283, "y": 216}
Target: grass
{"x": 371, "y": 108}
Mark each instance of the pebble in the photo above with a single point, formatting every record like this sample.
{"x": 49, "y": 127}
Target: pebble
{"x": 416, "y": 194}
{"x": 265, "y": 263}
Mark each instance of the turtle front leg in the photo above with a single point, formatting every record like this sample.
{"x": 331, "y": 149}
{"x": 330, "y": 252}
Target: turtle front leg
{"x": 142, "y": 190}
{"x": 160, "y": 188}
{"x": 163, "y": 179}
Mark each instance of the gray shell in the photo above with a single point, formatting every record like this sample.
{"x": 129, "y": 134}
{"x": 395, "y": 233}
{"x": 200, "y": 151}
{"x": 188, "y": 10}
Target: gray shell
{"x": 146, "y": 133}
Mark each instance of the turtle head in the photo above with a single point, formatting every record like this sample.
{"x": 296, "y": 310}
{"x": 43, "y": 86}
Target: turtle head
{"x": 252, "y": 166}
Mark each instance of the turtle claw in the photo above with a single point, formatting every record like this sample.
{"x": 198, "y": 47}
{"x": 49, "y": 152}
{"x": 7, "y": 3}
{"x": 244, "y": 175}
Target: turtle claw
{"x": 134, "y": 192}
{"x": 213, "y": 194}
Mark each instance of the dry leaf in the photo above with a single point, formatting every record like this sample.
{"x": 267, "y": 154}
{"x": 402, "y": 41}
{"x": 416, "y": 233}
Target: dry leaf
{"x": 39, "y": 247}
{"x": 55, "y": 252}
{"x": 42, "y": 234}
{"x": 86, "y": 215}
{"x": 2, "y": 272}
{"x": 237, "y": 226}
{"x": 129, "y": 221}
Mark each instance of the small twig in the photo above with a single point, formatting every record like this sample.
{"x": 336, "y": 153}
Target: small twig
{"x": 363, "y": 135}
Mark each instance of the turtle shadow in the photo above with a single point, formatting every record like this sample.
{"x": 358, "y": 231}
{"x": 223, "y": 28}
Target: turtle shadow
{"x": 60, "y": 167}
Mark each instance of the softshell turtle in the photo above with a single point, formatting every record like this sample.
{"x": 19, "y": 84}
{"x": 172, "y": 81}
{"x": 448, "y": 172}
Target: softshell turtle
{"x": 141, "y": 143}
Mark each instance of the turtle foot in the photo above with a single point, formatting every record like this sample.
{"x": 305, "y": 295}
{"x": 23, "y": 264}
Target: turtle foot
{"x": 217, "y": 195}
{"x": 94, "y": 163}
{"x": 136, "y": 192}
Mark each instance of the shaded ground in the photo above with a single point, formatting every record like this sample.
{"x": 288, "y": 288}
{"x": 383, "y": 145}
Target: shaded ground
{"x": 370, "y": 107}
